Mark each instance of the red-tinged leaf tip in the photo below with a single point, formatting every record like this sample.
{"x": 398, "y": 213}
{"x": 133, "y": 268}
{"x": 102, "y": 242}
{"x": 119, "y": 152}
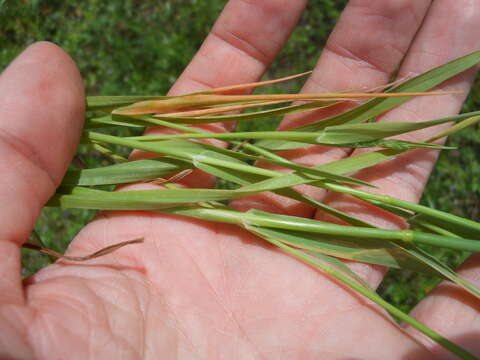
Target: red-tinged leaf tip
{"x": 252, "y": 85}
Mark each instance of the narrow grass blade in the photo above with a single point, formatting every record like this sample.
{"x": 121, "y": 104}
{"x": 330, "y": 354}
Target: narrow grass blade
{"x": 138, "y": 170}
{"x": 178, "y": 148}
{"x": 109, "y": 153}
{"x": 448, "y": 221}
{"x": 199, "y": 154}
{"x": 283, "y": 135}
{"x": 366, "y": 135}
{"x": 375, "y": 107}
{"x": 79, "y": 197}
{"x": 83, "y": 198}
{"x": 192, "y": 101}
{"x": 428, "y": 223}
{"x": 339, "y": 266}
{"x": 251, "y": 85}
{"x": 330, "y": 260}
{"x": 401, "y": 145}
{"x": 457, "y": 127}
{"x": 453, "y": 348}
{"x": 280, "y": 186}
{"x": 372, "y": 251}
{"x": 359, "y": 162}
{"x": 357, "y": 133}
{"x": 278, "y": 145}
{"x": 279, "y": 111}
{"x": 188, "y": 150}
{"x": 312, "y": 173}
{"x": 218, "y": 110}
{"x": 446, "y": 272}
{"x": 380, "y": 246}
{"x": 107, "y": 121}
{"x": 128, "y": 121}
{"x": 449, "y": 224}
{"x": 259, "y": 218}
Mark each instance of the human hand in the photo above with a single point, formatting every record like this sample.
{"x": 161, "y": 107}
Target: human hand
{"x": 202, "y": 290}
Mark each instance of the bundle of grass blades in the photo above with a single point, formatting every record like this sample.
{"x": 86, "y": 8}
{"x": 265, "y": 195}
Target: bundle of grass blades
{"x": 317, "y": 243}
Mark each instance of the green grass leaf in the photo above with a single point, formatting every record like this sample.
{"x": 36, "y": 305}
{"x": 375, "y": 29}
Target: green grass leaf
{"x": 368, "y": 250}
{"x": 138, "y": 170}
{"x": 447, "y": 273}
{"x": 422, "y": 82}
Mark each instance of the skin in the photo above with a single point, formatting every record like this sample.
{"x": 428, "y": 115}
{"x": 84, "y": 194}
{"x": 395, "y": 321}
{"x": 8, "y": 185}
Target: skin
{"x": 200, "y": 290}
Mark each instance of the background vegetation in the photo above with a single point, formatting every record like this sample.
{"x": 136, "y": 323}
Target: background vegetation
{"x": 141, "y": 46}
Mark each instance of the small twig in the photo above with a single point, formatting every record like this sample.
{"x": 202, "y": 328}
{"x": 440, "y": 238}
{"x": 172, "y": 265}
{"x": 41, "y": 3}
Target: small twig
{"x": 105, "y": 251}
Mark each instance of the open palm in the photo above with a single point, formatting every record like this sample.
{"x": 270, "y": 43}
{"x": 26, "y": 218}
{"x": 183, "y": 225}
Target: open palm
{"x": 203, "y": 290}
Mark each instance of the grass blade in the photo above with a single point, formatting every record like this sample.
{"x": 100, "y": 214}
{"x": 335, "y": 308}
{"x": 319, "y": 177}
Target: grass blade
{"x": 138, "y": 170}
{"x": 252, "y": 85}
{"x": 448, "y": 221}
{"x": 193, "y": 101}
{"x": 279, "y": 111}
{"x": 453, "y": 348}
{"x": 423, "y": 82}
{"x": 357, "y": 133}
{"x": 447, "y": 273}
{"x": 363, "y": 135}
{"x": 372, "y": 251}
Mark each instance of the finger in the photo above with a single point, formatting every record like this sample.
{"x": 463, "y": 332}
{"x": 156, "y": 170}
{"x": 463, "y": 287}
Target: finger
{"x": 365, "y": 48}
{"x": 41, "y": 116}
{"x": 452, "y": 312}
{"x": 450, "y": 30}
{"x": 241, "y": 45}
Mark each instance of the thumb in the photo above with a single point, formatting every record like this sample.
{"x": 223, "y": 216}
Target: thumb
{"x": 42, "y": 107}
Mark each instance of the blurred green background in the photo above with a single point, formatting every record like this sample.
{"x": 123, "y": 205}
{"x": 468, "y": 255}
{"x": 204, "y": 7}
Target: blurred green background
{"x": 141, "y": 47}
